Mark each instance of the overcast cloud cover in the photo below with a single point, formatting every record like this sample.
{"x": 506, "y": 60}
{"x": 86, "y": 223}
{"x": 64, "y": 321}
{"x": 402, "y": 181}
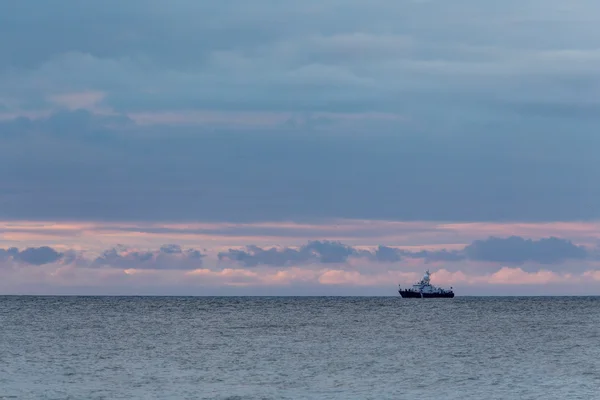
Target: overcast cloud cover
{"x": 181, "y": 111}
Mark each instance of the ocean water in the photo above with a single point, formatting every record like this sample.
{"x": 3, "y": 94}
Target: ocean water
{"x": 299, "y": 348}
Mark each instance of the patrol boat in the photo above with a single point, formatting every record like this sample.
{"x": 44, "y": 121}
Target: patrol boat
{"x": 425, "y": 290}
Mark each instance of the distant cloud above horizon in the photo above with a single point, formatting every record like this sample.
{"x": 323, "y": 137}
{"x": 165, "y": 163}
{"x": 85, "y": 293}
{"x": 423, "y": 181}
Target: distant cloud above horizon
{"x": 31, "y": 255}
{"x": 513, "y": 250}
{"x": 307, "y": 268}
{"x": 337, "y": 257}
{"x": 308, "y": 111}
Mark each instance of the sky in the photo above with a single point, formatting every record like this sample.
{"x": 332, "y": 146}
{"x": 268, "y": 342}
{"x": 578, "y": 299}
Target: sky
{"x": 304, "y": 148}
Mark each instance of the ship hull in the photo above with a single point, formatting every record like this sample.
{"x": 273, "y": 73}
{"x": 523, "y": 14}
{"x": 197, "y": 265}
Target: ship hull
{"x": 407, "y": 294}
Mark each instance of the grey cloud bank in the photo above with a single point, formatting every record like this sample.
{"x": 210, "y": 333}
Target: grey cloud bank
{"x": 32, "y": 255}
{"x": 315, "y": 251}
{"x": 414, "y": 58}
{"x": 515, "y": 251}
{"x": 316, "y": 268}
{"x": 254, "y": 111}
{"x": 167, "y": 257}
{"x": 518, "y": 250}
{"x": 512, "y": 250}
{"x": 82, "y": 166}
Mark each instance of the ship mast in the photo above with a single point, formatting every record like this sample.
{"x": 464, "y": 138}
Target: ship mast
{"x": 426, "y": 278}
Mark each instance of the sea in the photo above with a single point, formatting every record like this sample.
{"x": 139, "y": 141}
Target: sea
{"x": 299, "y": 348}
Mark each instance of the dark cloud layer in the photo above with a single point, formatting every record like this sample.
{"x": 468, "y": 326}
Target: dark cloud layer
{"x": 170, "y": 256}
{"x": 32, "y": 255}
{"x": 434, "y": 256}
{"x": 516, "y": 250}
{"x": 403, "y": 110}
{"x": 511, "y": 250}
{"x": 386, "y": 254}
{"x": 314, "y": 252}
{"x": 97, "y": 169}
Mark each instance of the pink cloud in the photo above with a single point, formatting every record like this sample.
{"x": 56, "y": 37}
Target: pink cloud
{"x": 406, "y": 235}
{"x": 89, "y": 239}
{"x": 203, "y": 117}
{"x": 592, "y": 275}
{"x": 70, "y": 275}
{"x": 5, "y": 116}
{"x": 77, "y": 100}
{"x": 516, "y": 276}
{"x": 291, "y": 275}
{"x": 355, "y": 278}
{"x": 508, "y": 276}
{"x": 247, "y": 118}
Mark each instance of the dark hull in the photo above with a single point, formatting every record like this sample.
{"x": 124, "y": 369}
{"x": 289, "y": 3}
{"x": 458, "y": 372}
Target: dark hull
{"x": 408, "y": 294}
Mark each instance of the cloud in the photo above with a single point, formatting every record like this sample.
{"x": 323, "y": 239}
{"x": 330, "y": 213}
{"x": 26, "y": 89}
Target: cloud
{"x": 391, "y": 110}
{"x": 31, "y": 255}
{"x": 93, "y": 167}
{"x": 38, "y": 256}
{"x": 318, "y": 267}
{"x": 386, "y": 254}
{"x": 516, "y": 276}
{"x": 511, "y": 250}
{"x": 167, "y": 257}
{"x": 61, "y": 279}
{"x": 315, "y": 251}
{"x": 170, "y": 256}
{"x": 78, "y": 100}
{"x": 553, "y": 253}
{"x": 322, "y": 58}
{"x": 437, "y": 255}
{"x": 517, "y": 250}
